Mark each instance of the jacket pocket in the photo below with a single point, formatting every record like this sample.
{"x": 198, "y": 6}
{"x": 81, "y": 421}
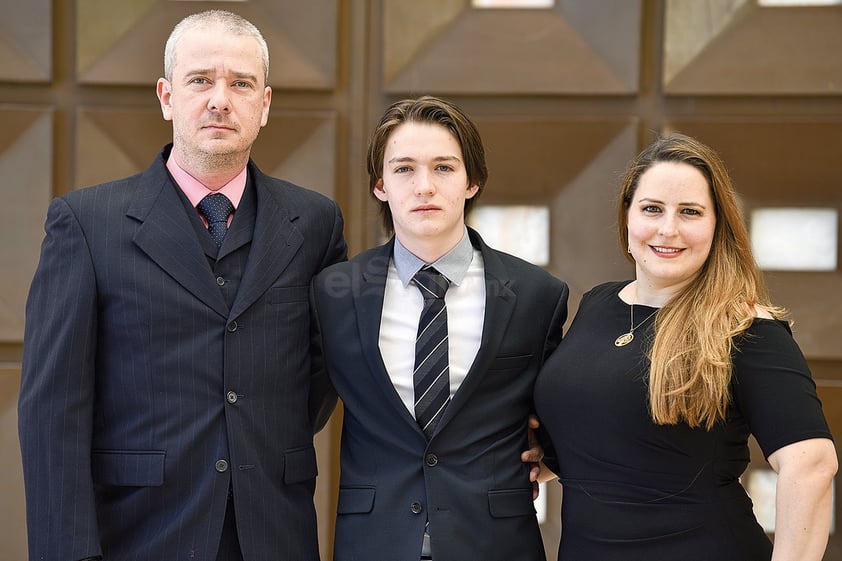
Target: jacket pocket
{"x": 505, "y": 503}
{"x": 300, "y": 465}
{"x": 510, "y": 362}
{"x": 355, "y": 500}
{"x": 129, "y": 468}
{"x": 288, "y": 294}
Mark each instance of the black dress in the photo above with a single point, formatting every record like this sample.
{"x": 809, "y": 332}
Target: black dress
{"x": 634, "y": 490}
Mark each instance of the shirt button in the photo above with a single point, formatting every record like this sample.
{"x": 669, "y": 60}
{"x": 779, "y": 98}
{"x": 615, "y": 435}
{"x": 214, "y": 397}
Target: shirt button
{"x": 231, "y": 397}
{"x": 220, "y": 281}
{"x": 221, "y": 466}
{"x": 232, "y": 327}
{"x": 431, "y": 460}
{"x": 416, "y": 507}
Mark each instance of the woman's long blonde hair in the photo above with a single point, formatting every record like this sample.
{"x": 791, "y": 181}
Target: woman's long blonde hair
{"x": 690, "y": 356}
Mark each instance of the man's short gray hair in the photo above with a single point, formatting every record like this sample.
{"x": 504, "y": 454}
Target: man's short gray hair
{"x": 230, "y": 23}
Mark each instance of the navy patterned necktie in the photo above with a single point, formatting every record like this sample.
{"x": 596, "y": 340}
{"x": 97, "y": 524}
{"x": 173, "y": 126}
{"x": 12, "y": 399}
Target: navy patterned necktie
{"x": 431, "y": 377}
{"x": 216, "y": 208}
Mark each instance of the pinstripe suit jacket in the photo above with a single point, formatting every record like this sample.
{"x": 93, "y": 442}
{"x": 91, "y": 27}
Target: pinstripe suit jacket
{"x": 468, "y": 479}
{"x": 143, "y": 394}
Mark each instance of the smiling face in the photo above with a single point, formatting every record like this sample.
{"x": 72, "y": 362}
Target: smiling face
{"x": 425, "y": 185}
{"x": 671, "y": 222}
{"x": 216, "y": 98}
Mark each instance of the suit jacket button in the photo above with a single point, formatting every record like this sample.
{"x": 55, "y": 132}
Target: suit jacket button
{"x": 220, "y": 281}
{"x": 416, "y": 507}
{"x": 231, "y": 397}
{"x": 221, "y": 466}
{"x": 232, "y": 327}
{"x": 431, "y": 460}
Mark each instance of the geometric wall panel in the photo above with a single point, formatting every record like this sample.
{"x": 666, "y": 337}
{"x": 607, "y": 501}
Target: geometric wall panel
{"x": 26, "y": 141}
{"x": 584, "y": 219}
{"x": 689, "y": 27}
{"x": 26, "y": 41}
{"x": 728, "y": 47}
{"x": 446, "y": 46}
{"x": 13, "y": 512}
{"x": 118, "y": 142}
{"x": 300, "y": 147}
{"x": 585, "y": 157}
{"x": 814, "y": 303}
{"x": 123, "y": 42}
{"x": 521, "y": 149}
{"x": 112, "y": 143}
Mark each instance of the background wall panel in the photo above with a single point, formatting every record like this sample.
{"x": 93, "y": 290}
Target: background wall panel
{"x": 26, "y": 41}
{"x": 726, "y": 47}
{"x": 568, "y": 48}
{"x": 25, "y": 174}
{"x": 122, "y": 42}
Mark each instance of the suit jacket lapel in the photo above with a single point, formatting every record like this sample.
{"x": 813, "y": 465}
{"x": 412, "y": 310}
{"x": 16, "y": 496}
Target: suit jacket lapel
{"x": 168, "y": 238}
{"x": 500, "y": 301}
{"x": 368, "y": 305}
{"x": 275, "y": 242}
{"x": 242, "y": 227}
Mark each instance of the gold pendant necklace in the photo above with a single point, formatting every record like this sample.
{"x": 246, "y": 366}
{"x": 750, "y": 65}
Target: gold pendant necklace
{"x": 628, "y": 337}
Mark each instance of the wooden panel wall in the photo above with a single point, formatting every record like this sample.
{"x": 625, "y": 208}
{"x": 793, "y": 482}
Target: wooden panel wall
{"x": 563, "y": 96}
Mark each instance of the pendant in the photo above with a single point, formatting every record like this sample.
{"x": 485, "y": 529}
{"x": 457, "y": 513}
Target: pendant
{"x": 624, "y": 339}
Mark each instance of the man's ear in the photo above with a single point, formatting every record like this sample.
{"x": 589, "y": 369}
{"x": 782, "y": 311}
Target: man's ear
{"x": 380, "y": 191}
{"x": 164, "y": 91}
{"x": 472, "y": 190}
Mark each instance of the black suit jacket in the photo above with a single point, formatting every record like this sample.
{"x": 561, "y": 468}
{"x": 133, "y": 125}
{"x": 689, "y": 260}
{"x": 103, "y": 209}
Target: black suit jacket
{"x": 468, "y": 479}
{"x": 144, "y": 396}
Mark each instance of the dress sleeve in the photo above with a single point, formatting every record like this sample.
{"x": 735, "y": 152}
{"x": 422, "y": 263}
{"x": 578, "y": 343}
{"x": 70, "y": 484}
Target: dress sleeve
{"x": 773, "y": 388}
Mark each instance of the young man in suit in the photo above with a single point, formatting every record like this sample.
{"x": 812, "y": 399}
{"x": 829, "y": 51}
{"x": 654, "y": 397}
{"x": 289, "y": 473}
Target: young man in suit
{"x": 167, "y": 405}
{"x": 436, "y": 387}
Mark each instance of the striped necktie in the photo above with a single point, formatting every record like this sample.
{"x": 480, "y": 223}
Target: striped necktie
{"x": 431, "y": 378}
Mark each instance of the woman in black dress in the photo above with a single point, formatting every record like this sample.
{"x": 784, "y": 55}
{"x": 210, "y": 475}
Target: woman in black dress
{"x": 652, "y": 395}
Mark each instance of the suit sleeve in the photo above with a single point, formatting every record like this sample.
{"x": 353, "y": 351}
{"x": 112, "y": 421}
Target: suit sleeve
{"x": 553, "y": 339}
{"x": 336, "y": 249}
{"x": 322, "y": 393}
{"x": 55, "y": 409}
{"x": 554, "y": 330}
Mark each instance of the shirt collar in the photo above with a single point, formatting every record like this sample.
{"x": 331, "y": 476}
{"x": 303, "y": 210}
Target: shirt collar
{"x": 195, "y": 190}
{"x": 453, "y": 264}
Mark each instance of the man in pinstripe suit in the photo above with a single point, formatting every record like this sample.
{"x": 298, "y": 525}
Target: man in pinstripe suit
{"x": 168, "y": 399}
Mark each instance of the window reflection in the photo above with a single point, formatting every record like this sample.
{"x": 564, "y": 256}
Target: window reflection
{"x": 795, "y": 239}
{"x": 512, "y": 3}
{"x": 523, "y": 231}
{"x": 760, "y": 483}
{"x": 797, "y": 3}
